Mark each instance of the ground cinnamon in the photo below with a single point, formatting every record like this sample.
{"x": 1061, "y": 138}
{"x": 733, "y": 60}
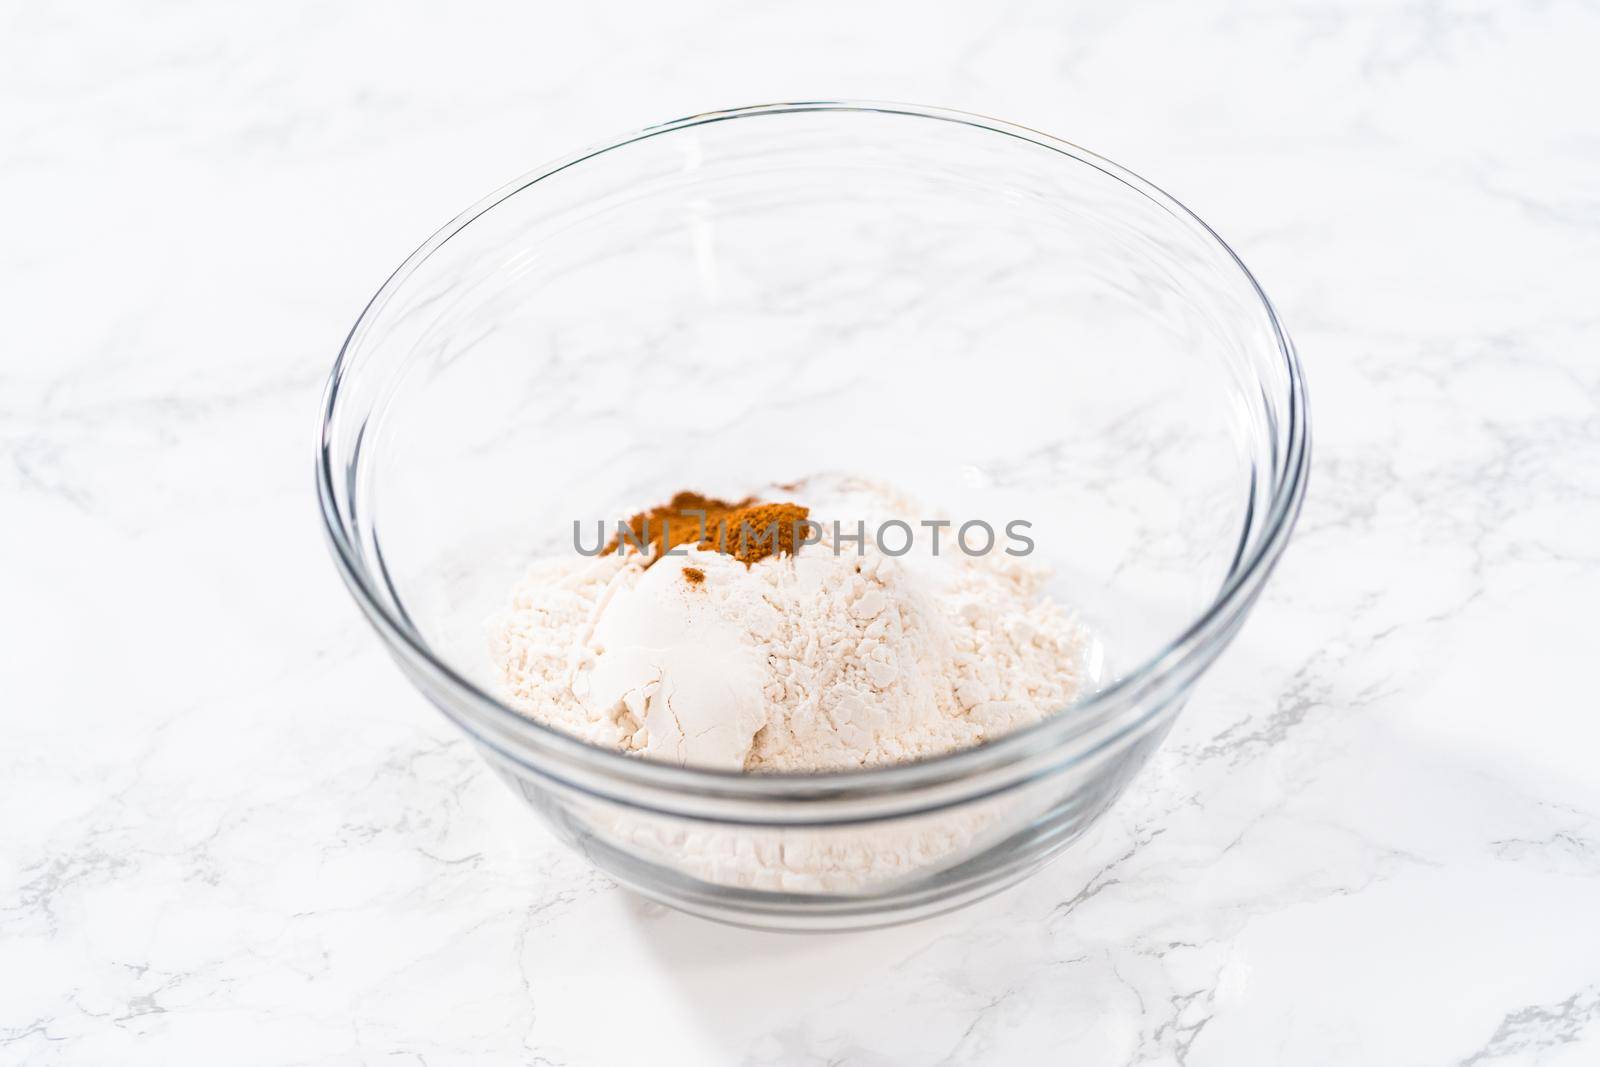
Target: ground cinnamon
{"x": 749, "y": 531}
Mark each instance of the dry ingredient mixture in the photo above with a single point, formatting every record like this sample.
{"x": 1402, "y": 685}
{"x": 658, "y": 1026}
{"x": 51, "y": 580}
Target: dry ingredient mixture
{"x": 764, "y": 654}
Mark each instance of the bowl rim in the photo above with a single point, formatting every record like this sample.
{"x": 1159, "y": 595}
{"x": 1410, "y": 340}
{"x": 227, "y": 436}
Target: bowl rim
{"x": 1096, "y": 722}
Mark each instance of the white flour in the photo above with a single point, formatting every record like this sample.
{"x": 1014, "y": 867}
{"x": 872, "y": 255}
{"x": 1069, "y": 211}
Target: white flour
{"x": 819, "y": 661}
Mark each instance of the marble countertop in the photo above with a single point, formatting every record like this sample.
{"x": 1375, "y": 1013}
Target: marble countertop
{"x": 230, "y": 833}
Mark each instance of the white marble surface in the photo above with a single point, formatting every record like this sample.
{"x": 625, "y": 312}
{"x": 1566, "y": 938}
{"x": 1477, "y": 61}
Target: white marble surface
{"x": 230, "y": 834}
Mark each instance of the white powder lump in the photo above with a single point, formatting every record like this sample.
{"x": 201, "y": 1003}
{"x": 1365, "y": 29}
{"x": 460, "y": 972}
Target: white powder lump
{"x": 819, "y": 661}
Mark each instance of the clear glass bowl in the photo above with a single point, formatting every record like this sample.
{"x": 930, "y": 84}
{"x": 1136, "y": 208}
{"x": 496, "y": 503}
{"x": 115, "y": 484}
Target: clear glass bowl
{"x": 1001, "y": 323}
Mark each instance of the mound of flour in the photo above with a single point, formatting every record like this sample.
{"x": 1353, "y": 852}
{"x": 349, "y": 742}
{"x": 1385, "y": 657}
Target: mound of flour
{"x": 819, "y": 661}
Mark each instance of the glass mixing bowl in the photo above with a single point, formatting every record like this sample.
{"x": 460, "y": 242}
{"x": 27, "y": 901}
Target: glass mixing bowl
{"x": 1000, "y": 323}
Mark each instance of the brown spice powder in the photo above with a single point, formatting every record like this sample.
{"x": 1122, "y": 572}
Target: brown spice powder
{"x": 748, "y": 531}
{"x": 754, "y": 533}
{"x": 694, "y": 575}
